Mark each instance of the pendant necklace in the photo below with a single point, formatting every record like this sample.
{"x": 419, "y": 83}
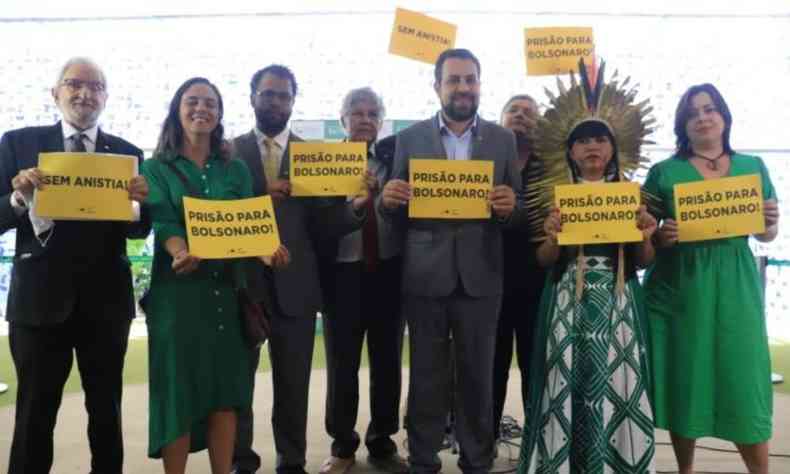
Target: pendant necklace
{"x": 712, "y": 163}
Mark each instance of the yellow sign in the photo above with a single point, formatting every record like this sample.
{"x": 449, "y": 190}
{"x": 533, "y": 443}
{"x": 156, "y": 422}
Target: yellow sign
{"x": 85, "y": 186}
{"x": 420, "y": 37}
{"x": 552, "y": 51}
{"x": 328, "y": 169}
{"x": 449, "y": 189}
{"x": 719, "y": 208}
{"x": 231, "y": 229}
{"x": 598, "y": 213}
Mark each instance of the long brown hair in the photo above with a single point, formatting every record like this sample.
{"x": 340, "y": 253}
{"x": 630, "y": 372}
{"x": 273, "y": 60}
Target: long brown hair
{"x": 171, "y": 138}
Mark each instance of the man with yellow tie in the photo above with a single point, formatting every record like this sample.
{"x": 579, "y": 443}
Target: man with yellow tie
{"x": 305, "y": 225}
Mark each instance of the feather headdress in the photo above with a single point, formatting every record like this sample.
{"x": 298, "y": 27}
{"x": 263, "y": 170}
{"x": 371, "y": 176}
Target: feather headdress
{"x": 613, "y": 103}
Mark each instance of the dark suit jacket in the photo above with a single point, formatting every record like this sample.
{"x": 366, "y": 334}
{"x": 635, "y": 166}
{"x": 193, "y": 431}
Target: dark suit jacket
{"x": 304, "y": 224}
{"x": 440, "y": 252}
{"x": 81, "y": 258}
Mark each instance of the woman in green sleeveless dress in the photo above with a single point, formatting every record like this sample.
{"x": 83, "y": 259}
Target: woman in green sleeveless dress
{"x": 704, "y": 300}
{"x": 198, "y": 360}
{"x": 588, "y": 409}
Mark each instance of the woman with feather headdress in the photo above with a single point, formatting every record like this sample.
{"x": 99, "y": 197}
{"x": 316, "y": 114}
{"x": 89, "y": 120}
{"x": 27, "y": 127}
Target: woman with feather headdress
{"x": 589, "y": 408}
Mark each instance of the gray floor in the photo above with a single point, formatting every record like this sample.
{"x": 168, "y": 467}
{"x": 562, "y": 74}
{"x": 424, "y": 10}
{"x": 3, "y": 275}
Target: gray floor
{"x": 72, "y": 454}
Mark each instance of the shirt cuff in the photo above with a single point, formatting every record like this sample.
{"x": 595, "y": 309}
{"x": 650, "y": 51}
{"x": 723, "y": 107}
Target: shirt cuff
{"x": 135, "y": 211}
{"x": 18, "y": 203}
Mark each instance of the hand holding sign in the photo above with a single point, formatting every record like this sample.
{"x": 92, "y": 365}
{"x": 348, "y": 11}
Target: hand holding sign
{"x": 279, "y": 259}
{"x": 185, "y": 263}
{"x": 279, "y": 189}
{"x": 667, "y": 234}
{"x": 553, "y": 225}
{"x": 646, "y": 223}
{"x": 503, "y": 201}
{"x": 371, "y": 185}
{"x": 27, "y": 180}
{"x": 138, "y": 189}
{"x": 771, "y": 213}
{"x": 397, "y": 192}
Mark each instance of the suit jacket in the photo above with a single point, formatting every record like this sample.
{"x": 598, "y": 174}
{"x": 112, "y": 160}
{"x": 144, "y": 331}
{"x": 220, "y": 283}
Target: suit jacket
{"x": 81, "y": 258}
{"x": 304, "y": 224}
{"x": 438, "y": 253}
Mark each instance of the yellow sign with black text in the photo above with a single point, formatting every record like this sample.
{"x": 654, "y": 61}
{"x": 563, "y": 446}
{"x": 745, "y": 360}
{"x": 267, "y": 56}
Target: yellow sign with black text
{"x": 450, "y": 189}
{"x": 85, "y": 186}
{"x": 231, "y": 229}
{"x": 420, "y": 37}
{"x": 719, "y": 208}
{"x": 552, "y": 51}
{"x": 328, "y": 169}
{"x": 598, "y": 213}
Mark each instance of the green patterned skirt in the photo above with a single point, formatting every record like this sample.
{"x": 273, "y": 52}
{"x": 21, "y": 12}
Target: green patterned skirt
{"x": 588, "y": 410}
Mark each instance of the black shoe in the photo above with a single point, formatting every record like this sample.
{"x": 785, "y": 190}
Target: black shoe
{"x": 243, "y": 471}
{"x": 393, "y": 463}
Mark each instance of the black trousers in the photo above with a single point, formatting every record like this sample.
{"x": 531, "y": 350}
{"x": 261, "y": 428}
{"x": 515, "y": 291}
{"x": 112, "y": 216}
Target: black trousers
{"x": 43, "y": 358}
{"x": 291, "y": 354}
{"x": 471, "y": 323}
{"x": 517, "y": 317}
{"x": 364, "y": 303}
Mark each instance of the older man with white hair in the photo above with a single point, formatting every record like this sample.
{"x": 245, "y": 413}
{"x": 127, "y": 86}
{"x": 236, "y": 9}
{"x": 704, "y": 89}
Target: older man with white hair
{"x": 71, "y": 283}
{"x": 364, "y": 299}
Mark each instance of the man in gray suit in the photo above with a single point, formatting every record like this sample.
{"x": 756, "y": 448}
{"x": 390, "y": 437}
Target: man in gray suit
{"x": 452, "y": 273}
{"x": 292, "y": 293}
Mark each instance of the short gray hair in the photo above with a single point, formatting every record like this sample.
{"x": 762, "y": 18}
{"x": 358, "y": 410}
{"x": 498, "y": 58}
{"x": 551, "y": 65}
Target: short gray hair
{"x": 83, "y": 61}
{"x": 362, "y": 94}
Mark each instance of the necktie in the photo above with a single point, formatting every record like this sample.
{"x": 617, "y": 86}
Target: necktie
{"x": 78, "y": 143}
{"x": 271, "y": 162}
{"x": 370, "y": 236}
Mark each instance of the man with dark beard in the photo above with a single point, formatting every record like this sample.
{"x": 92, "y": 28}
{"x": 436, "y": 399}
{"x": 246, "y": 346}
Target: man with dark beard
{"x": 452, "y": 272}
{"x": 523, "y": 276}
{"x": 291, "y": 294}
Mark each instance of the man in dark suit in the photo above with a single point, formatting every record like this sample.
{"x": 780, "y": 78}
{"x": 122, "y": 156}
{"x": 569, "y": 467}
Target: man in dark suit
{"x": 452, "y": 272}
{"x": 71, "y": 283}
{"x": 303, "y": 223}
{"x": 364, "y": 299}
{"x": 523, "y": 277}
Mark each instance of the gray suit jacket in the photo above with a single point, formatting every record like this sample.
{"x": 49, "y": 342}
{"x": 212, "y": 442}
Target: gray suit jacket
{"x": 304, "y": 223}
{"x": 438, "y": 253}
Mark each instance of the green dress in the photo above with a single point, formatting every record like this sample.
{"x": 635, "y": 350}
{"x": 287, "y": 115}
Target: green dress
{"x": 711, "y": 363}
{"x": 589, "y": 410}
{"x": 197, "y": 360}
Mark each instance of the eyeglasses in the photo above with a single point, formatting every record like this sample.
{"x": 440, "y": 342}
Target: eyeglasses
{"x": 75, "y": 85}
{"x": 269, "y": 95}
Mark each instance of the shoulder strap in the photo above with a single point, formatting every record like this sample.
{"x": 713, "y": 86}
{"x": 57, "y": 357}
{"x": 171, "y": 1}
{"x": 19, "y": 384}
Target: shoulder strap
{"x": 191, "y": 191}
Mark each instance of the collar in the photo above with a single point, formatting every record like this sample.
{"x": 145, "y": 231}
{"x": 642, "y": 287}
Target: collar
{"x": 371, "y": 148}
{"x": 280, "y": 139}
{"x": 69, "y": 130}
{"x": 443, "y": 129}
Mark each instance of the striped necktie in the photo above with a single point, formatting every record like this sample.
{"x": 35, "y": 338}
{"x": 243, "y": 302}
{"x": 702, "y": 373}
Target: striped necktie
{"x": 78, "y": 143}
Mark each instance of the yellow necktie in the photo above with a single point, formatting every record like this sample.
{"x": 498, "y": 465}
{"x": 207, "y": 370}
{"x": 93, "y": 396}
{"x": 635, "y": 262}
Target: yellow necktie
{"x": 271, "y": 162}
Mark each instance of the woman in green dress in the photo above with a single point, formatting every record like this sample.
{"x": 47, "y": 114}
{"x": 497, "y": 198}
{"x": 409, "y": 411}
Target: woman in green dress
{"x": 198, "y": 361}
{"x": 704, "y": 300}
{"x": 588, "y": 409}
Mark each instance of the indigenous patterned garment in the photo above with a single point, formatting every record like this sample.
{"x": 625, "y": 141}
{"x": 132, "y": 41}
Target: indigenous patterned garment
{"x": 588, "y": 410}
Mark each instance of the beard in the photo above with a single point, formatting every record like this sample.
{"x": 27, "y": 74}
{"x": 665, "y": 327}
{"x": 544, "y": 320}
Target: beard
{"x": 271, "y": 122}
{"x": 460, "y": 114}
